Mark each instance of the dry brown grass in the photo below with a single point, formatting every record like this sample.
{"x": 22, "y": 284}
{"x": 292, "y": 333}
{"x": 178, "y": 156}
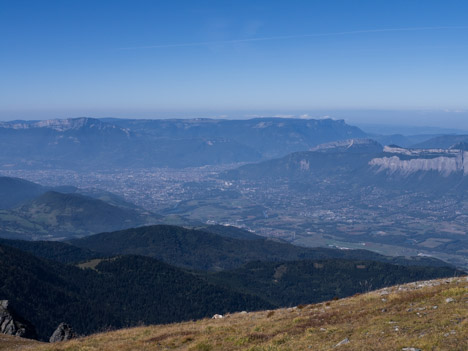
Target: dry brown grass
{"x": 12, "y": 343}
{"x": 388, "y": 319}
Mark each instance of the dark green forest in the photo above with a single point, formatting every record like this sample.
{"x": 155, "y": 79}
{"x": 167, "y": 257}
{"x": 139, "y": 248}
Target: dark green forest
{"x": 127, "y": 290}
{"x": 209, "y": 251}
{"x": 121, "y": 292}
{"x": 307, "y": 281}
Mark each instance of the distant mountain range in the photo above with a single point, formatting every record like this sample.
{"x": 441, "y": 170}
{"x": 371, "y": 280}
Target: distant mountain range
{"x": 340, "y": 159}
{"x": 86, "y": 143}
{"x": 271, "y": 137}
{"x": 402, "y": 140}
{"x": 442, "y": 142}
{"x": 367, "y": 162}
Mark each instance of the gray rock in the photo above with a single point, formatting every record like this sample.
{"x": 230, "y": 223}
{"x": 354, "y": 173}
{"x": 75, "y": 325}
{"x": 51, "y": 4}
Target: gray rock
{"x": 342, "y": 342}
{"x": 63, "y": 332}
{"x": 410, "y": 349}
{"x": 11, "y": 324}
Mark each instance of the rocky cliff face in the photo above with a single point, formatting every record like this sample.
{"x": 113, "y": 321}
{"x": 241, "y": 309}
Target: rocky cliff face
{"x": 11, "y": 324}
{"x": 410, "y": 161}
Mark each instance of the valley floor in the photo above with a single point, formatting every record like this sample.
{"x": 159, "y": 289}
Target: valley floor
{"x": 429, "y": 315}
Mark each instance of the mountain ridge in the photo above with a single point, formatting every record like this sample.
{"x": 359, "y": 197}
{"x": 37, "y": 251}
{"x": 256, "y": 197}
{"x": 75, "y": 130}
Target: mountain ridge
{"x": 207, "y": 251}
{"x": 54, "y": 215}
{"x": 85, "y": 143}
{"x": 358, "y": 159}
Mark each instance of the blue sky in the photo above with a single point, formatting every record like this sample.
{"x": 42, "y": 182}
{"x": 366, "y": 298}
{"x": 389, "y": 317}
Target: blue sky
{"x": 64, "y": 58}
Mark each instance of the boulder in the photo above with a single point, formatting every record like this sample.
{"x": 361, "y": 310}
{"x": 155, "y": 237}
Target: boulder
{"x": 12, "y": 324}
{"x": 63, "y": 332}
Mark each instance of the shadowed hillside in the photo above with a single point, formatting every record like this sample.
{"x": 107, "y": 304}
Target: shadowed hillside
{"x": 13, "y": 191}
{"x": 55, "y": 215}
{"x": 202, "y": 250}
{"x": 113, "y": 293}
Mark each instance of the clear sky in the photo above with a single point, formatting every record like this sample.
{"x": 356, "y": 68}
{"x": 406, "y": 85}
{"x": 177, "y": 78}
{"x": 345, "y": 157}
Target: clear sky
{"x": 141, "y": 58}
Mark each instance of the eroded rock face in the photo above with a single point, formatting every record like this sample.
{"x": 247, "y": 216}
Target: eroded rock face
{"x": 10, "y": 324}
{"x": 63, "y": 332}
{"x": 410, "y": 161}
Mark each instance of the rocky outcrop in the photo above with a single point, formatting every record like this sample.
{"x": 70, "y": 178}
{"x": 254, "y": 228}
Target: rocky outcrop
{"x": 63, "y": 332}
{"x": 410, "y": 161}
{"x": 357, "y": 145}
{"x": 11, "y": 324}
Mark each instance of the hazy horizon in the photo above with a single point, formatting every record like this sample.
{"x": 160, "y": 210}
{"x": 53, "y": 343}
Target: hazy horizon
{"x": 374, "y": 121}
{"x": 150, "y": 59}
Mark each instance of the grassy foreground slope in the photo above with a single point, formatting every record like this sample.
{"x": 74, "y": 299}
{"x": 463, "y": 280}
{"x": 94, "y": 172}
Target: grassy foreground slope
{"x": 10, "y": 343}
{"x": 429, "y": 315}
